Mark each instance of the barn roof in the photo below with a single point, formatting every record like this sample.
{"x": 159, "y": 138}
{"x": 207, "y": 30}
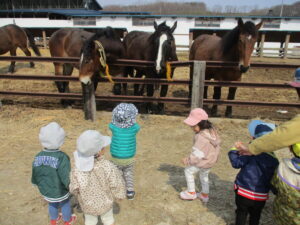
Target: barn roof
{"x": 65, "y": 13}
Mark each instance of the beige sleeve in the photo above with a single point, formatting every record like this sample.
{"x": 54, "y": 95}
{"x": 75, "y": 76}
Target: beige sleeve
{"x": 116, "y": 183}
{"x": 284, "y": 135}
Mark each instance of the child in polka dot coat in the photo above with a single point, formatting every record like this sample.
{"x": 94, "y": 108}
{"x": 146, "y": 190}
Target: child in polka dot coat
{"x": 95, "y": 182}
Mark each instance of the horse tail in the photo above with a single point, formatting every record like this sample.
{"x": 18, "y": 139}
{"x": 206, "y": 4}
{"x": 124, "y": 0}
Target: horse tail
{"x": 32, "y": 43}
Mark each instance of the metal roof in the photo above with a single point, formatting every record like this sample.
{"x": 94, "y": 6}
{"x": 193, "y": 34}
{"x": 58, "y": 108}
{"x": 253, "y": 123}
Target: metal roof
{"x": 94, "y": 13}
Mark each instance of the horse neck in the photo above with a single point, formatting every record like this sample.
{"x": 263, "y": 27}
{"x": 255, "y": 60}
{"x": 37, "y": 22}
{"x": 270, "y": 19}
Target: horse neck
{"x": 151, "y": 49}
{"x": 229, "y": 43}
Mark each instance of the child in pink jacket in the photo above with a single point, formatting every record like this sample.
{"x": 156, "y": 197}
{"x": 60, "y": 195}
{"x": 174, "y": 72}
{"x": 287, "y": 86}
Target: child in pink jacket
{"x": 204, "y": 155}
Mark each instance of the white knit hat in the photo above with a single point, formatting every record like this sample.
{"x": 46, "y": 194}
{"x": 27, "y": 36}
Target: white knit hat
{"x": 52, "y": 136}
{"x": 89, "y": 143}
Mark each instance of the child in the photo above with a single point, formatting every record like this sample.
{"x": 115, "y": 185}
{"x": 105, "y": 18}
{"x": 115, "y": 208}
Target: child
{"x": 50, "y": 172}
{"x": 204, "y": 154}
{"x": 123, "y": 147}
{"x": 286, "y": 181}
{"x": 252, "y": 183}
{"x": 95, "y": 181}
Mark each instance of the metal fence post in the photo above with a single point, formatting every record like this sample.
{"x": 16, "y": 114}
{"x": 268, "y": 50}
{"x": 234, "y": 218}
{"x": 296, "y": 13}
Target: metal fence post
{"x": 198, "y": 84}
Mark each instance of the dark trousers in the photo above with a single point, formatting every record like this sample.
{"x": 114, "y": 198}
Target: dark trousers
{"x": 247, "y": 206}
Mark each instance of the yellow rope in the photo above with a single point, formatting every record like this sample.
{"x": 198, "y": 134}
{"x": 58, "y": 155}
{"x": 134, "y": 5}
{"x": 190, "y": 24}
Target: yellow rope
{"x": 168, "y": 72}
{"x": 101, "y": 51}
{"x": 108, "y": 76}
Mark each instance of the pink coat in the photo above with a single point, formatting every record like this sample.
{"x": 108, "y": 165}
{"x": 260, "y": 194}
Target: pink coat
{"x": 206, "y": 149}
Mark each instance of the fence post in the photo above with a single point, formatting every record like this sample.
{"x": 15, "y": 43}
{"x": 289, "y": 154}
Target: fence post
{"x": 44, "y": 39}
{"x": 89, "y": 101}
{"x": 261, "y": 46}
{"x": 198, "y": 84}
{"x": 286, "y": 45}
{"x": 191, "y": 38}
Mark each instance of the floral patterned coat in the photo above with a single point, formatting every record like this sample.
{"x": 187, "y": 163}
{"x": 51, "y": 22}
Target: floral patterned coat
{"x": 96, "y": 189}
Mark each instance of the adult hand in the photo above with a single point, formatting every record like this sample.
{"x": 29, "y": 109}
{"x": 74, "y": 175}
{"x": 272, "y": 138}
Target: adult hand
{"x": 243, "y": 150}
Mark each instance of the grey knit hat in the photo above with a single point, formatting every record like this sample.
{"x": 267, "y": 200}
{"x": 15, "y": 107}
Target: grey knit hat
{"x": 124, "y": 115}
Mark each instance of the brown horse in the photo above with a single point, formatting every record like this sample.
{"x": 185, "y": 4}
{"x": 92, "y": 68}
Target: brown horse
{"x": 12, "y": 37}
{"x": 68, "y": 42}
{"x": 159, "y": 47}
{"x": 237, "y": 45}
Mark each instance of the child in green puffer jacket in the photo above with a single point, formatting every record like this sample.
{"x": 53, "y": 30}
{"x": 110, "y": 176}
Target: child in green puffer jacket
{"x": 123, "y": 145}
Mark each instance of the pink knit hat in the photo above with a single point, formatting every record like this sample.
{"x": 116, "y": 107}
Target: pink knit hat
{"x": 196, "y": 115}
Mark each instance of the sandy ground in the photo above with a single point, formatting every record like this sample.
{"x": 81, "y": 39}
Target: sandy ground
{"x": 162, "y": 142}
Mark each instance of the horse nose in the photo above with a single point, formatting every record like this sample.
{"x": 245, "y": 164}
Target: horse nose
{"x": 244, "y": 69}
{"x": 85, "y": 80}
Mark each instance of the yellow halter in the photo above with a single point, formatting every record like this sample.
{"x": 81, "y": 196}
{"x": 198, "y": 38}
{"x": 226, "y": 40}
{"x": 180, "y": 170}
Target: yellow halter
{"x": 102, "y": 60}
{"x": 168, "y": 72}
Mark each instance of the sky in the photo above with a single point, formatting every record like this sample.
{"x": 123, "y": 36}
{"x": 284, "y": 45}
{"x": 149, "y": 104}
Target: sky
{"x": 209, "y": 3}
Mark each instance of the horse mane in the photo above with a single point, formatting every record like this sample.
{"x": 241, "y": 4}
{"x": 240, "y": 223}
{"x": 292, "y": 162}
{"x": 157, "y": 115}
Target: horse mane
{"x": 232, "y": 37}
{"x": 89, "y": 44}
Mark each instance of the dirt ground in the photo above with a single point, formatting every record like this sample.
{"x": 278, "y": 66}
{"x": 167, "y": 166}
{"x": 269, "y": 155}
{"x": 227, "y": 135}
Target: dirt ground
{"x": 162, "y": 142}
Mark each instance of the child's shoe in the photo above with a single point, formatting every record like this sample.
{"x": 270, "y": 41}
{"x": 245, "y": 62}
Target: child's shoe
{"x": 56, "y": 222}
{"x": 72, "y": 220}
{"x": 204, "y": 199}
{"x": 185, "y": 195}
{"x": 130, "y": 195}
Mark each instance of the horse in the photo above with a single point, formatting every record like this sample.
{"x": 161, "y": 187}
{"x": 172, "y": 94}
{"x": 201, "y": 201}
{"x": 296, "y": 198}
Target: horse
{"x": 93, "y": 49}
{"x": 159, "y": 47}
{"x": 236, "y": 45}
{"x": 12, "y": 37}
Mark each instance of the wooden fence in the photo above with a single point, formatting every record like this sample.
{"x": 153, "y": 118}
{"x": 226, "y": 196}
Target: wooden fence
{"x": 198, "y": 84}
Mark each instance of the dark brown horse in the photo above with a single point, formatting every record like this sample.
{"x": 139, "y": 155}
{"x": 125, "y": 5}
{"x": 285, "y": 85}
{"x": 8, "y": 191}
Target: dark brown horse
{"x": 92, "y": 49}
{"x": 237, "y": 45}
{"x": 159, "y": 47}
{"x": 13, "y": 37}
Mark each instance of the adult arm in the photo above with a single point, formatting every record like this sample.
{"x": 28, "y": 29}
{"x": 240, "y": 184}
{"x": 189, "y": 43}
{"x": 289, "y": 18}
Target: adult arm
{"x": 284, "y": 135}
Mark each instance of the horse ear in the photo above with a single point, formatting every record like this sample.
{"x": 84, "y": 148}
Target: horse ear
{"x": 174, "y": 27}
{"x": 240, "y": 22}
{"x": 259, "y": 25}
{"x": 155, "y": 25}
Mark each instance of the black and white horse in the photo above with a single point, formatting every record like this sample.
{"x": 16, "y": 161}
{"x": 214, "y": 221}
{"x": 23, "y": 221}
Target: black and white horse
{"x": 159, "y": 47}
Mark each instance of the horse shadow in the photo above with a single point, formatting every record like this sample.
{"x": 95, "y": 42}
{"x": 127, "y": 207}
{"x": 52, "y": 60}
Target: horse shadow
{"x": 221, "y": 198}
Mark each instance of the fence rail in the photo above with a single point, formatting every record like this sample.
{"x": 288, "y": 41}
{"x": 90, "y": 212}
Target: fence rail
{"x": 142, "y": 63}
{"x": 196, "y": 100}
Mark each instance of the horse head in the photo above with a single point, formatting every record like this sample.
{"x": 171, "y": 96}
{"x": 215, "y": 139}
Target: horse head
{"x": 248, "y": 33}
{"x": 104, "y": 46}
{"x": 164, "y": 44}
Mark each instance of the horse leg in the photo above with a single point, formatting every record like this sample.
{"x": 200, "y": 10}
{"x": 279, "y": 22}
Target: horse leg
{"x": 231, "y": 95}
{"x": 12, "y": 64}
{"x": 163, "y": 93}
{"x": 205, "y": 107}
{"x": 150, "y": 91}
{"x": 67, "y": 71}
{"x": 27, "y": 53}
{"x": 136, "y": 89}
{"x": 217, "y": 96}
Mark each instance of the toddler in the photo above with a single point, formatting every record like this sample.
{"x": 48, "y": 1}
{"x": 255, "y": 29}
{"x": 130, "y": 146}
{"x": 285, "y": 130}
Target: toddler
{"x": 204, "y": 155}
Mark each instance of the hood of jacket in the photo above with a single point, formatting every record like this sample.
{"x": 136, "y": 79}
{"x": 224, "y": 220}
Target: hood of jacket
{"x": 212, "y": 136}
